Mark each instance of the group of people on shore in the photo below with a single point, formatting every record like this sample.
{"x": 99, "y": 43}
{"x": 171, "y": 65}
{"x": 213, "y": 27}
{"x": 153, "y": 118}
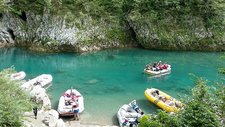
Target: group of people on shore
{"x": 156, "y": 66}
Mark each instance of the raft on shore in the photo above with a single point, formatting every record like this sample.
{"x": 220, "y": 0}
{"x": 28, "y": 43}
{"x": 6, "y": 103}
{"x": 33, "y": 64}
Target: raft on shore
{"x": 43, "y": 80}
{"x": 128, "y": 114}
{"x": 71, "y": 100}
{"x": 18, "y": 76}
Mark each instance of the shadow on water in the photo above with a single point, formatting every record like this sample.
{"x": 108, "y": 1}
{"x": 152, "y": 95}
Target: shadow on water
{"x": 146, "y": 106}
{"x": 115, "y": 119}
{"x": 93, "y": 81}
{"x": 110, "y": 57}
{"x": 114, "y": 89}
{"x": 184, "y": 91}
{"x": 59, "y": 71}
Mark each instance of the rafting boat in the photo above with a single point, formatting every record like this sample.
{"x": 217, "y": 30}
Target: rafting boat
{"x": 163, "y": 100}
{"x": 18, "y": 76}
{"x": 43, "y": 80}
{"x": 128, "y": 114}
{"x": 69, "y": 101}
{"x": 152, "y": 71}
{"x": 157, "y": 69}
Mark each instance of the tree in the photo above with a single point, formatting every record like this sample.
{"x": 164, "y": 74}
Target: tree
{"x": 13, "y": 102}
{"x": 197, "y": 114}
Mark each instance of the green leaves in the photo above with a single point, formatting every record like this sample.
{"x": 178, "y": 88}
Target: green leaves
{"x": 200, "y": 92}
{"x": 13, "y": 101}
{"x": 197, "y": 114}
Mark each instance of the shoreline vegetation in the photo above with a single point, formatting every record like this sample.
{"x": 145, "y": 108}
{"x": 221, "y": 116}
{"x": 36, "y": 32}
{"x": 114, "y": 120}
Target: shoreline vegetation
{"x": 81, "y": 26}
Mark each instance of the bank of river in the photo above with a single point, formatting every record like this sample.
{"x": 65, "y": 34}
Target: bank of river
{"x": 108, "y": 79}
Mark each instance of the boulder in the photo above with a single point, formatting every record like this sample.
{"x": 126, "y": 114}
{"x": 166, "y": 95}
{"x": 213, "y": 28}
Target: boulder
{"x": 52, "y": 119}
{"x": 60, "y": 123}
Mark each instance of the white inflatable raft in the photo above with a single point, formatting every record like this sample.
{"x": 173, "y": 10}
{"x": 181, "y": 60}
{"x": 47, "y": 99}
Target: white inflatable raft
{"x": 152, "y": 71}
{"x": 68, "y": 100}
{"x": 18, "y": 76}
{"x": 43, "y": 80}
{"x": 128, "y": 114}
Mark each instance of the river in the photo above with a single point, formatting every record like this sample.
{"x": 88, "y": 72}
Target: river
{"x": 110, "y": 78}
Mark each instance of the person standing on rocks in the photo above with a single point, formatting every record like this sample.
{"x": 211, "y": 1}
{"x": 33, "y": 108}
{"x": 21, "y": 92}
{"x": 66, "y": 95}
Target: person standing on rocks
{"x": 76, "y": 110}
{"x": 35, "y": 112}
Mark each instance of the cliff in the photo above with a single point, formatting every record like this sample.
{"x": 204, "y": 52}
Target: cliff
{"x": 78, "y": 26}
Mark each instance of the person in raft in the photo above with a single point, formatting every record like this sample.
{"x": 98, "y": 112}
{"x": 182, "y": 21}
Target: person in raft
{"x": 75, "y": 110}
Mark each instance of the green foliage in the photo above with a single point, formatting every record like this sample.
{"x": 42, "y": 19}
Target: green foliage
{"x": 222, "y": 70}
{"x": 1, "y": 6}
{"x": 13, "y": 101}
{"x": 147, "y": 121}
{"x": 179, "y": 24}
{"x": 201, "y": 92}
{"x": 37, "y": 6}
{"x": 163, "y": 119}
{"x": 196, "y": 114}
{"x": 168, "y": 120}
{"x": 117, "y": 34}
{"x": 219, "y": 103}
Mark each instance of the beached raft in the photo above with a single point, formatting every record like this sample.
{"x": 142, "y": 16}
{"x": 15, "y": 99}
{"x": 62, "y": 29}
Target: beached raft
{"x": 163, "y": 100}
{"x": 128, "y": 114}
{"x": 43, "y": 80}
{"x": 18, "y": 76}
{"x": 68, "y": 100}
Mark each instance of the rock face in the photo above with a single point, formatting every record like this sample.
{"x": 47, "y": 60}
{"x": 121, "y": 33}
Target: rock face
{"x": 55, "y": 33}
{"x": 6, "y": 39}
{"x": 168, "y": 34}
{"x": 83, "y": 33}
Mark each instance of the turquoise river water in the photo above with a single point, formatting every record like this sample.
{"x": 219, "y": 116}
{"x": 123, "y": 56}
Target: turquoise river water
{"x": 110, "y": 78}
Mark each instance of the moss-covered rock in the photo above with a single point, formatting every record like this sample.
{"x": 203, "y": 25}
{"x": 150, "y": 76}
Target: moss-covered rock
{"x": 168, "y": 34}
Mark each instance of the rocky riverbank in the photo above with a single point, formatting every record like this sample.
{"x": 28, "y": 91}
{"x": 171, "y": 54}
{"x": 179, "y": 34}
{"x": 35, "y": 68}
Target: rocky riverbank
{"x": 46, "y": 116}
{"x": 31, "y": 122}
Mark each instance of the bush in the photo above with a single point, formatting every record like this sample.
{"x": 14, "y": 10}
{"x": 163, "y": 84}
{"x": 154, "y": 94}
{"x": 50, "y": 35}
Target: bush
{"x": 196, "y": 114}
{"x": 163, "y": 119}
{"x": 13, "y": 102}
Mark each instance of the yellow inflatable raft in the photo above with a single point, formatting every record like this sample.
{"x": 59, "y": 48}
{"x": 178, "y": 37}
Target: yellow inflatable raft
{"x": 163, "y": 100}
